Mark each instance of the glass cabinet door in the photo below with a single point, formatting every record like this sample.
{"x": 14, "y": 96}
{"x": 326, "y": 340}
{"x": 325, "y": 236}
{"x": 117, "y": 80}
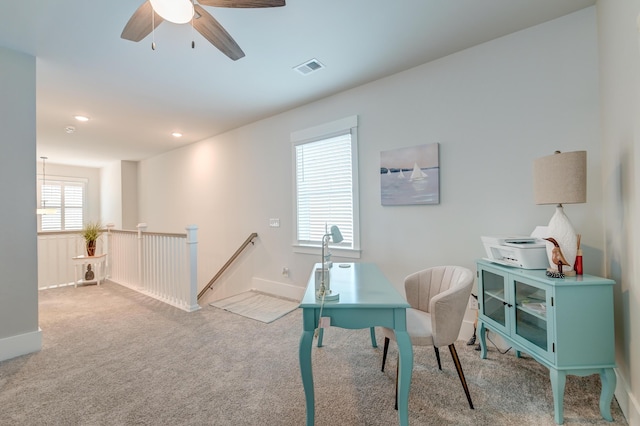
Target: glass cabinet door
{"x": 493, "y": 301}
{"x": 531, "y": 322}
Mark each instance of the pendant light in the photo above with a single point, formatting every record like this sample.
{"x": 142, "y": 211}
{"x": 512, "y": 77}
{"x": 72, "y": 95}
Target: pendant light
{"x": 44, "y": 209}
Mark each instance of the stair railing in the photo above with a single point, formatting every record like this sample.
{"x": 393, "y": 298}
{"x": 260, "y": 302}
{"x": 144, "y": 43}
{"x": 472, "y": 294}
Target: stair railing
{"x": 248, "y": 241}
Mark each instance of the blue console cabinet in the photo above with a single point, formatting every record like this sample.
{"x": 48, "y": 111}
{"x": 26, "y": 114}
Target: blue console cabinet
{"x": 564, "y": 324}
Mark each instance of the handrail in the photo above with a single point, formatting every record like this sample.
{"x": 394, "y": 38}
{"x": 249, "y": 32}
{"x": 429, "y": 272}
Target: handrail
{"x": 229, "y": 262}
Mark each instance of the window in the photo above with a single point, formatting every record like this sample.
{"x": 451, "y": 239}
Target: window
{"x": 67, "y": 198}
{"x": 326, "y": 185}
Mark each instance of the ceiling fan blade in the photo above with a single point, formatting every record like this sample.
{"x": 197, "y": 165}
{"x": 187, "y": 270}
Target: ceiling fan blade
{"x": 243, "y": 3}
{"x": 139, "y": 25}
{"x": 211, "y": 29}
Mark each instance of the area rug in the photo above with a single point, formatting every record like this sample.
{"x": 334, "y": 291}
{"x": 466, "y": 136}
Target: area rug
{"x": 258, "y": 306}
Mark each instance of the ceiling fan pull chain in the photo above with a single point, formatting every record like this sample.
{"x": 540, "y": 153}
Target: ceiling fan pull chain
{"x": 193, "y": 40}
{"x": 153, "y": 29}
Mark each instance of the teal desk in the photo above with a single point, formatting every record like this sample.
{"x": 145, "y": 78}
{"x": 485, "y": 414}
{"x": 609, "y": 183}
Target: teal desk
{"x": 367, "y": 299}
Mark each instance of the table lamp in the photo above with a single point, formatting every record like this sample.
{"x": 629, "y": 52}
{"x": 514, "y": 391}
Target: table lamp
{"x": 324, "y": 290}
{"x": 560, "y": 179}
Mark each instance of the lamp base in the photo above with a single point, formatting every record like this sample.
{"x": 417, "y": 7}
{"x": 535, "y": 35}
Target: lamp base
{"x": 329, "y": 297}
{"x": 561, "y": 230}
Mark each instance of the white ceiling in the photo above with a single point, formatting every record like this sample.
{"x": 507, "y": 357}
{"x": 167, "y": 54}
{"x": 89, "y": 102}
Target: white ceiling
{"x": 136, "y": 97}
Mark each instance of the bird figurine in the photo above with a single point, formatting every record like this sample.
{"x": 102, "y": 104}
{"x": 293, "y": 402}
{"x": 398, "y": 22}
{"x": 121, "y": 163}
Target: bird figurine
{"x": 556, "y": 255}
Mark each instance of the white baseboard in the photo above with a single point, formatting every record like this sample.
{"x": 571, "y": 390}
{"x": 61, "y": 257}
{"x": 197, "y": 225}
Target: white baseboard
{"x": 628, "y": 404}
{"x": 22, "y": 344}
{"x": 278, "y": 289}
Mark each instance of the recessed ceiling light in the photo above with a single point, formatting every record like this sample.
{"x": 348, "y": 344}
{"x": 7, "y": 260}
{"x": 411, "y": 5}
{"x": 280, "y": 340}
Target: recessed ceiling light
{"x": 81, "y": 117}
{"x": 176, "y": 134}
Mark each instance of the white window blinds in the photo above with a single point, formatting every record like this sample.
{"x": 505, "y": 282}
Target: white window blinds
{"x": 324, "y": 189}
{"x": 67, "y": 198}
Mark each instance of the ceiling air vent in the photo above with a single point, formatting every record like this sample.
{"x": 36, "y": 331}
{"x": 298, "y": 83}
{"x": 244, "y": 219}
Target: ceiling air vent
{"x": 309, "y": 67}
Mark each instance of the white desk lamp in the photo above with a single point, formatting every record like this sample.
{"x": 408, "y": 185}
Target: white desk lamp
{"x": 559, "y": 179}
{"x": 324, "y": 290}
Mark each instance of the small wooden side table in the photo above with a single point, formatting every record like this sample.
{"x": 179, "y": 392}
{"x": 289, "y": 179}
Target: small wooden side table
{"x": 98, "y": 262}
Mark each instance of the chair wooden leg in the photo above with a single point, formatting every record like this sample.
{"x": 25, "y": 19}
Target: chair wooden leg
{"x": 438, "y": 357}
{"x": 384, "y": 352}
{"x": 456, "y": 360}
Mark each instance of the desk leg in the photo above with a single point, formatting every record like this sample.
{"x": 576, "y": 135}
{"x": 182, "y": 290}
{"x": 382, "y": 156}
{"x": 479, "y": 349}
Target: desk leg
{"x": 404, "y": 375}
{"x": 307, "y": 375}
{"x": 320, "y": 336}
{"x": 373, "y": 337}
{"x": 608, "y": 380}
{"x": 558, "y": 381}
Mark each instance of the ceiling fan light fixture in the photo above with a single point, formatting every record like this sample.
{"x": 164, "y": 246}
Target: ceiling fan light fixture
{"x": 176, "y": 11}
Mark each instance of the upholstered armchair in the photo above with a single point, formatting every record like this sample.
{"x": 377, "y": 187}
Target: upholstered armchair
{"x": 438, "y": 297}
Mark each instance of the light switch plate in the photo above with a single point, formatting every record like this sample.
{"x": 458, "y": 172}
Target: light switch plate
{"x": 274, "y": 223}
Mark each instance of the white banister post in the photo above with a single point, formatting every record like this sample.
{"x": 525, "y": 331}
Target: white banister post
{"x": 141, "y": 227}
{"x": 107, "y": 272}
{"x": 192, "y": 257}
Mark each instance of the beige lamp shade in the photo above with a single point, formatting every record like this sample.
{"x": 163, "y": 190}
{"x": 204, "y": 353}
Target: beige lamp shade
{"x": 560, "y": 178}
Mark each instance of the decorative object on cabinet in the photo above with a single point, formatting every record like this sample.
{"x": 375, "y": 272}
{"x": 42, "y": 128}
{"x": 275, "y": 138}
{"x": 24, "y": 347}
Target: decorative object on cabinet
{"x": 557, "y": 258}
{"x": 410, "y": 175}
{"x": 578, "y": 265}
{"x": 91, "y": 232}
{"x": 559, "y": 179}
{"x": 546, "y": 318}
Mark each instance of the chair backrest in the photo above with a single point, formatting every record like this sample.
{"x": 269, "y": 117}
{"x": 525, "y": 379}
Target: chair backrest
{"x": 443, "y": 291}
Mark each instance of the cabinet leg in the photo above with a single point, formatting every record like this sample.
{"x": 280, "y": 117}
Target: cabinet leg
{"x": 608, "y": 380}
{"x": 558, "y": 381}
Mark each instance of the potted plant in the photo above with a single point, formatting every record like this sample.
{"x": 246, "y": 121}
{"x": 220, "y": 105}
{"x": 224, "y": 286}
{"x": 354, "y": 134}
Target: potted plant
{"x": 91, "y": 232}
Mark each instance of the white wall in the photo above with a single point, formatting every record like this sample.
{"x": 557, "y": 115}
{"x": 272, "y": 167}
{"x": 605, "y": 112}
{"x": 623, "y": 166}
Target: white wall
{"x": 493, "y": 109}
{"x": 119, "y": 194}
{"x": 111, "y": 194}
{"x": 19, "y": 331}
{"x": 620, "y": 111}
{"x": 129, "y": 190}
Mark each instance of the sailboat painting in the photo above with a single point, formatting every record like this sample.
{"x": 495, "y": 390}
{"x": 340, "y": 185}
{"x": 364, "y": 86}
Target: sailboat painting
{"x": 410, "y": 175}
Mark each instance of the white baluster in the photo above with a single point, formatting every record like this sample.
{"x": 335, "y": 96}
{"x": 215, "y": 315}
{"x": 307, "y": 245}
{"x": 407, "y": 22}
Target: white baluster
{"x": 192, "y": 254}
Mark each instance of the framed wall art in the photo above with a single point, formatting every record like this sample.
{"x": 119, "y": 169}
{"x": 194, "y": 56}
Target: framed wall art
{"x": 410, "y": 175}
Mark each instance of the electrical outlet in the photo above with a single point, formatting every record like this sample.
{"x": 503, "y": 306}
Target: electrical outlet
{"x": 285, "y": 272}
{"x": 473, "y": 303}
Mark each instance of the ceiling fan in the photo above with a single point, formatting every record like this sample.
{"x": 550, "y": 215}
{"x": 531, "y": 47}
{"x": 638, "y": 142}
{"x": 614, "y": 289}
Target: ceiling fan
{"x": 146, "y": 19}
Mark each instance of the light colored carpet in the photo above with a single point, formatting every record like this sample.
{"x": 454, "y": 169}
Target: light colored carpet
{"x": 258, "y": 306}
{"x": 114, "y": 357}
